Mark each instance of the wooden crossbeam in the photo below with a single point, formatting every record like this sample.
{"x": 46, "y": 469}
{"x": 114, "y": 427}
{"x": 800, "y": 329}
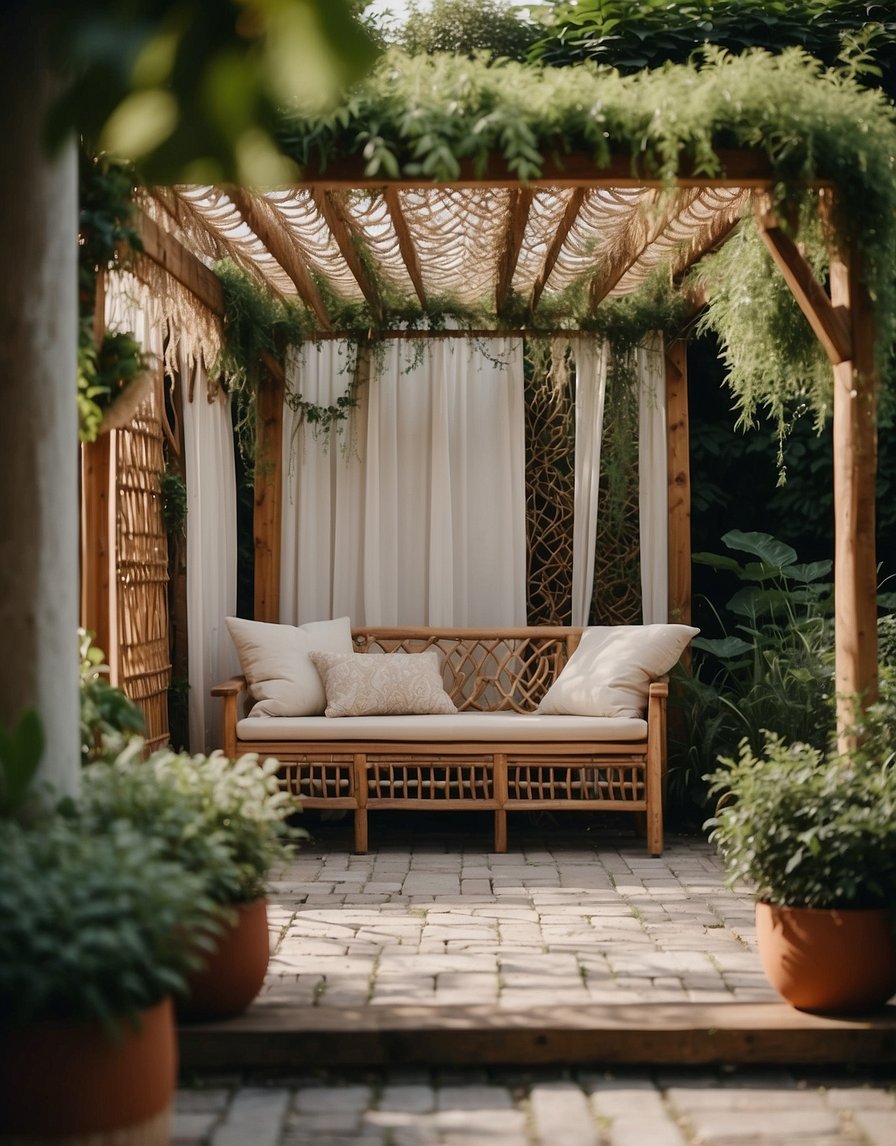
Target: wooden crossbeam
{"x": 259, "y": 220}
{"x": 330, "y": 205}
{"x": 405, "y": 242}
{"x": 830, "y": 323}
{"x": 517, "y": 218}
{"x": 170, "y": 254}
{"x": 569, "y": 217}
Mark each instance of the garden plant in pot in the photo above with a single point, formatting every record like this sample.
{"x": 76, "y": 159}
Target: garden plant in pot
{"x": 229, "y": 826}
{"x": 814, "y": 834}
{"x": 94, "y": 933}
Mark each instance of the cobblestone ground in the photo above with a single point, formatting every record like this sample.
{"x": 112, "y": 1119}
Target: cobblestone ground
{"x": 560, "y": 918}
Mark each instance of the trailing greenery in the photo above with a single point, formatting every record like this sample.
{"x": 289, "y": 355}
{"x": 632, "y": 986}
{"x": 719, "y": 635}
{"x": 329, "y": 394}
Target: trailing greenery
{"x": 93, "y": 924}
{"x": 425, "y": 116}
{"x": 774, "y": 362}
{"x": 809, "y": 828}
{"x": 769, "y": 669}
{"x": 173, "y": 489}
{"x": 634, "y": 34}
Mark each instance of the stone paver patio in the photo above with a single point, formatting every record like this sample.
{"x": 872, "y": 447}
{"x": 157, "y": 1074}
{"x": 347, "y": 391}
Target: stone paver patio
{"x": 563, "y": 918}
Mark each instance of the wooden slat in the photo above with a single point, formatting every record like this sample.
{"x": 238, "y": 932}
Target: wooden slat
{"x": 405, "y": 242}
{"x": 704, "y": 242}
{"x": 517, "y": 217}
{"x": 276, "y": 1034}
{"x": 169, "y": 253}
{"x": 330, "y": 206}
{"x": 553, "y": 253}
{"x": 679, "y": 482}
{"x": 259, "y": 220}
{"x": 855, "y": 468}
{"x": 268, "y": 498}
{"x": 99, "y": 605}
{"x": 829, "y": 322}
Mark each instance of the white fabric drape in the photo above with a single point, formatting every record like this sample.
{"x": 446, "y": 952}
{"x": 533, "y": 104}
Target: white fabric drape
{"x": 591, "y": 387}
{"x": 211, "y": 550}
{"x": 419, "y": 518}
{"x": 653, "y": 481}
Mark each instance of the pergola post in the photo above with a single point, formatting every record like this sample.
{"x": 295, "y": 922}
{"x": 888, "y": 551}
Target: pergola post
{"x": 855, "y": 469}
{"x": 268, "y": 492}
{"x": 679, "y": 482}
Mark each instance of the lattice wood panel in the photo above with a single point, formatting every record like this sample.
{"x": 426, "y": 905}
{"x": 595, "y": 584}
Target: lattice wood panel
{"x": 550, "y": 491}
{"x": 142, "y": 569}
{"x": 550, "y": 482}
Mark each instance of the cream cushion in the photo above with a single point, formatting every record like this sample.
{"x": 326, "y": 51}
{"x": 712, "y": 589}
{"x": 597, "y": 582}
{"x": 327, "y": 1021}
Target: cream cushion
{"x": 610, "y": 672}
{"x": 275, "y": 662}
{"x": 383, "y": 684}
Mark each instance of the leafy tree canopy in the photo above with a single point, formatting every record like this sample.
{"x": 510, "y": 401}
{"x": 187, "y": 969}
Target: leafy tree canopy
{"x": 468, "y": 27}
{"x": 635, "y": 34}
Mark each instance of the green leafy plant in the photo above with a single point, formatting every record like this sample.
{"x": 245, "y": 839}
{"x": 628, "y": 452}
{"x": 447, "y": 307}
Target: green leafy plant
{"x": 809, "y": 828}
{"x": 770, "y": 670}
{"x": 21, "y": 748}
{"x": 94, "y": 924}
{"x": 468, "y": 27}
{"x": 173, "y": 489}
{"x": 109, "y": 718}
{"x": 224, "y": 820}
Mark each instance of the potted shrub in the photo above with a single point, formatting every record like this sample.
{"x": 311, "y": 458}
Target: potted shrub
{"x": 93, "y": 941}
{"x": 228, "y": 825}
{"x": 814, "y": 833}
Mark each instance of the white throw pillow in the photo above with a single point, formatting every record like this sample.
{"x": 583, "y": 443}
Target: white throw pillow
{"x": 610, "y": 671}
{"x": 383, "y": 684}
{"x": 275, "y": 662}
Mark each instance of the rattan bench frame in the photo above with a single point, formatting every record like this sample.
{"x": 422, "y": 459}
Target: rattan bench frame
{"x": 485, "y": 670}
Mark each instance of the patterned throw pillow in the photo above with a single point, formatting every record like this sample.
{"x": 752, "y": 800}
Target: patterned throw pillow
{"x": 382, "y": 684}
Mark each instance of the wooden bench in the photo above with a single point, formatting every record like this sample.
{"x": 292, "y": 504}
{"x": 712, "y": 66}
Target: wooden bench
{"x": 497, "y": 754}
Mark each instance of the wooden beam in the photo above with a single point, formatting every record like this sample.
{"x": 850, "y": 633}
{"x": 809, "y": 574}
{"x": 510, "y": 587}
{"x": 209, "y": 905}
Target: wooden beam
{"x": 405, "y": 242}
{"x": 99, "y": 599}
{"x": 830, "y": 322}
{"x": 268, "y": 497}
{"x": 738, "y": 168}
{"x": 170, "y": 254}
{"x": 679, "y": 482}
{"x": 569, "y": 217}
{"x": 855, "y": 470}
{"x": 258, "y": 219}
{"x": 331, "y": 208}
{"x": 518, "y": 215}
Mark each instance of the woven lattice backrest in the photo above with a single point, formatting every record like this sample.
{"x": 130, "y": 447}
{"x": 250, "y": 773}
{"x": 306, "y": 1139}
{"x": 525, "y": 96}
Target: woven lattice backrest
{"x": 496, "y": 670}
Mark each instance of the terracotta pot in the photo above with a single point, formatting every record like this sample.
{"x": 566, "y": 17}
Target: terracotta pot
{"x": 234, "y": 972}
{"x": 72, "y": 1080}
{"x": 831, "y": 961}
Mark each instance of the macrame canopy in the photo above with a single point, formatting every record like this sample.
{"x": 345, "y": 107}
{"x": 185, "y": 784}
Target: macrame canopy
{"x": 487, "y": 241}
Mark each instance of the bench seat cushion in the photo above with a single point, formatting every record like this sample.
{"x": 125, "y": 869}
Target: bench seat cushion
{"x": 465, "y": 726}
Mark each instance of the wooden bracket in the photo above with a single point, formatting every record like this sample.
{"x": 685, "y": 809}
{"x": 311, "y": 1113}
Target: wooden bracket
{"x": 830, "y": 323}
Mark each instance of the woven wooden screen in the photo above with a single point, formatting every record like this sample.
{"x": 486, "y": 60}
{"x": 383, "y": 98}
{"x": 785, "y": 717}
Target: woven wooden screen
{"x": 142, "y": 568}
{"x": 550, "y": 488}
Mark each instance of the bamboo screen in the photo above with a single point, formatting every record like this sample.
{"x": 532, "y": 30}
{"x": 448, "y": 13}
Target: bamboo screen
{"x": 142, "y": 568}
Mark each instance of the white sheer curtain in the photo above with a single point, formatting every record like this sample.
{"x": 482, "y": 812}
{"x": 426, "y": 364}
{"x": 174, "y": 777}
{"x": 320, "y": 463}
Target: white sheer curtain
{"x": 419, "y": 517}
{"x": 211, "y": 549}
{"x": 591, "y": 387}
{"x": 591, "y": 376}
{"x": 653, "y": 481}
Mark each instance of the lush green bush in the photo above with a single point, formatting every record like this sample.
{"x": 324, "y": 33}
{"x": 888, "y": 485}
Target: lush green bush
{"x": 808, "y": 828}
{"x": 770, "y": 669}
{"x": 468, "y": 27}
{"x": 224, "y": 820}
{"x": 635, "y": 34}
{"x": 109, "y": 718}
{"x": 93, "y": 924}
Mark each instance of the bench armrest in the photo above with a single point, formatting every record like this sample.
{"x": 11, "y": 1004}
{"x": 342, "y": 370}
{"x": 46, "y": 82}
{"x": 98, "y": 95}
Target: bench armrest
{"x": 230, "y": 691}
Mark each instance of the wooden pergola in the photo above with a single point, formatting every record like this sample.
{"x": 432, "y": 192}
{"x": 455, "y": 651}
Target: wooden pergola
{"x": 498, "y": 236}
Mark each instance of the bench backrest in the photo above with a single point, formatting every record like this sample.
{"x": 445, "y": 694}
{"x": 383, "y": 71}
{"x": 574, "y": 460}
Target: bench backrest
{"x": 485, "y": 670}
